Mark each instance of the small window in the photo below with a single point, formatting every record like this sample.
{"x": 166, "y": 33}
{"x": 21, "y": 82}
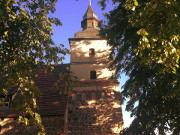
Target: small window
{"x": 93, "y": 75}
{"x": 91, "y": 52}
{"x": 4, "y": 102}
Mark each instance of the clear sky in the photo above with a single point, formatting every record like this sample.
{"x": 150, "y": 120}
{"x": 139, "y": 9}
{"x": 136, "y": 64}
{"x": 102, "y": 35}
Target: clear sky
{"x": 70, "y": 13}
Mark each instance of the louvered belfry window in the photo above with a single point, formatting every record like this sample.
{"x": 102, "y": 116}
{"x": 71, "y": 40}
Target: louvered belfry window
{"x": 92, "y": 74}
{"x": 91, "y": 52}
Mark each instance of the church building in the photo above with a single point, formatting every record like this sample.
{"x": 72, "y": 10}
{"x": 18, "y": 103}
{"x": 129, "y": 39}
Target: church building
{"x": 93, "y": 107}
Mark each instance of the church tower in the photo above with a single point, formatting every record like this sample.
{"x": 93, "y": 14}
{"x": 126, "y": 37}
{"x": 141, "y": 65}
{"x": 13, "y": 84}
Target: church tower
{"x": 94, "y": 107}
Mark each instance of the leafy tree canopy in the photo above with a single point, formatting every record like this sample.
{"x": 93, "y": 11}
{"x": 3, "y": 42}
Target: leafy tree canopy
{"x": 145, "y": 40}
{"x": 25, "y": 46}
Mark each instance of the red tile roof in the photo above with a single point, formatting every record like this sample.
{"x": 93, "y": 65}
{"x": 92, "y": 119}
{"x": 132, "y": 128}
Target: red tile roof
{"x": 50, "y": 102}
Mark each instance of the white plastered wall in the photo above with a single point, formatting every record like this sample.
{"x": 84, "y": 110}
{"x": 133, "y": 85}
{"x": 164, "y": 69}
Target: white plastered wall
{"x": 82, "y": 63}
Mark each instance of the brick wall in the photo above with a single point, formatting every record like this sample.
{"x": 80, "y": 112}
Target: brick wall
{"x": 100, "y": 116}
{"x": 54, "y": 125}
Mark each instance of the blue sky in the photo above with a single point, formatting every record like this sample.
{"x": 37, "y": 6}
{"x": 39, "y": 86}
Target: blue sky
{"x": 70, "y": 13}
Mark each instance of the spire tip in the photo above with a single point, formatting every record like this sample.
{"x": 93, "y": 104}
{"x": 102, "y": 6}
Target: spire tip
{"x": 89, "y": 2}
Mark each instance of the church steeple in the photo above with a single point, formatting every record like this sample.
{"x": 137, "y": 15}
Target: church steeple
{"x": 90, "y": 19}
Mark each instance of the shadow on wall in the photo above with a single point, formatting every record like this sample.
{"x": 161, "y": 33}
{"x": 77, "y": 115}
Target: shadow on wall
{"x": 80, "y": 51}
{"x": 82, "y": 62}
{"x": 53, "y": 125}
{"x": 98, "y": 85}
{"x": 94, "y": 113}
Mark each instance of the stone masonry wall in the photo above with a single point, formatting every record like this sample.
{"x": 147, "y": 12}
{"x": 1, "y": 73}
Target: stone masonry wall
{"x": 94, "y": 113}
{"x": 54, "y": 125}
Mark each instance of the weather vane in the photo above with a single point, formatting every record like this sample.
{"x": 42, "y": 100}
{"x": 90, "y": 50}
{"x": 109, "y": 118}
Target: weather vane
{"x": 90, "y": 2}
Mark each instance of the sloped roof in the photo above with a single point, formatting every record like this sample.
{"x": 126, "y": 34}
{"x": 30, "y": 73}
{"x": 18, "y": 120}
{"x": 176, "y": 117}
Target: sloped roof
{"x": 90, "y": 13}
{"x": 50, "y": 102}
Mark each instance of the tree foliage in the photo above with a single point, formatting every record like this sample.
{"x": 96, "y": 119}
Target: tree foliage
{"x": 66, "y": 81}
{"x": 145, "y": 40}
{"x": 25, "y": 46}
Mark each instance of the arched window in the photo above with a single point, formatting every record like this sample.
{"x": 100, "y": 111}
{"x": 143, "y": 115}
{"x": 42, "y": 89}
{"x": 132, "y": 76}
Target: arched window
{"x": 92, "y": 74}
{"x": 91, "y": 52}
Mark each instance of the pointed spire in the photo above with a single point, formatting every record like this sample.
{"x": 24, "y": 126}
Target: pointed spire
{"x": 90, "y": 13}
{"x": 90, "y": 19}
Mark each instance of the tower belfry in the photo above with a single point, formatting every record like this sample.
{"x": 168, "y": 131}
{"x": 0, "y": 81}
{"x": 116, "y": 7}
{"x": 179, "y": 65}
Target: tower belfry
{"x": 90, "y": 19}
{"x": 95, "y": 105}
